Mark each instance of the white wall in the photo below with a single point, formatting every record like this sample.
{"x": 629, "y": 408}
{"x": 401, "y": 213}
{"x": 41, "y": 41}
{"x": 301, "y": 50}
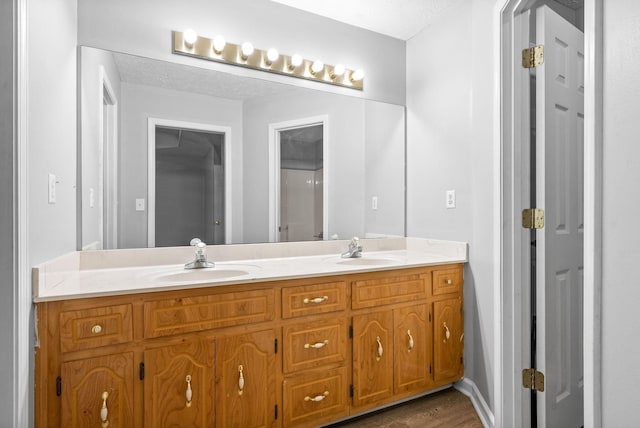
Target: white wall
{"x": 138, "y": 103}
{"x": 91, "y": 99}
{"x": 450, "y": 145}
{"x": 143, "y": 27}
{"x": 7, "y": 260}
{"x": 52, "y": 127}
{"x": 384, "y": 175}
{"x": 621, "y": 203}
{"x": 50, "y": 148}
{"x": 345, "y": 159}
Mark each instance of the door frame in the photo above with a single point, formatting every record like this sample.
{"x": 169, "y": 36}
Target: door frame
{"x": 108, "y": 152}
{"x": 152, "y": 123}
{"x": 274, "y": 170}
{"x": 508, "y": 324}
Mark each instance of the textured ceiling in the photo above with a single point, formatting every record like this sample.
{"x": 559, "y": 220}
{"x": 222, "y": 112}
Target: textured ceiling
{"x": 401, "y": 19}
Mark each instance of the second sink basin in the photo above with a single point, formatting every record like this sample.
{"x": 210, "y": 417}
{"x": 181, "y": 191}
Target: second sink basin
{"x": 367, "y": 260}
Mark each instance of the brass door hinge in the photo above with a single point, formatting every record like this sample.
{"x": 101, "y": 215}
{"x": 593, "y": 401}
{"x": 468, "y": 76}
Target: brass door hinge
{"x": 533, "y": 379}
{"x": 533, "y": 218}
{"x": 533, "y": 56}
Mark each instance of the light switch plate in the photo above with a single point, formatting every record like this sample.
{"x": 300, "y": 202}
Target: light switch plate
{"x": 451, "y": 199}
{"x": 140, "y": 204}
{"x": 52, "y": 189}
{"x": 374, "y": 203}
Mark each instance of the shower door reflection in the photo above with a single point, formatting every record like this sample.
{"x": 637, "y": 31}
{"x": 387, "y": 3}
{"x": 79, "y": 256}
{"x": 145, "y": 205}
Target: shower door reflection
{"x": 301, "y": 183}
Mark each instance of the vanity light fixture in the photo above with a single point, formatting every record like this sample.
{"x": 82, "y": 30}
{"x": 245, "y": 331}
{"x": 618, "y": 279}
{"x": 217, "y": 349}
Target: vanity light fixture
{"x": 245, "y": 55}
{"x": 338, "y": 71}
{"x": 296, "y": 61}
{"x": 272, "y": 56}
{"x": 317, "y": 67}
{"x": 247, "y": 50}
{"x": 190, "y": 37}
{"x": 357, "y": 75}
{"x": 218, "y": 44}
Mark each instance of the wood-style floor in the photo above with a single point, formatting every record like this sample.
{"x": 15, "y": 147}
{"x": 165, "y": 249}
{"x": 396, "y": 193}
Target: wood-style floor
{"x": 447, "y": 408}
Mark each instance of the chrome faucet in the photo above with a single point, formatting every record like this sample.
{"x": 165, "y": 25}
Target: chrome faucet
{"x": 355, "y": 249}
{"x": 201, "y": 256}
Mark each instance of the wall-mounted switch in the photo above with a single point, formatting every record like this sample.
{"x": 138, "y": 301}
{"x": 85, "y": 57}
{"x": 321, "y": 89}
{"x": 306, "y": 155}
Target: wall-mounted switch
{"x": 92, "y": 198}
{"x": 451, "y": 199}
{"x": 374, "y": 203}
{"x": 52, "y": 189}
{"x": 140, "y": 204}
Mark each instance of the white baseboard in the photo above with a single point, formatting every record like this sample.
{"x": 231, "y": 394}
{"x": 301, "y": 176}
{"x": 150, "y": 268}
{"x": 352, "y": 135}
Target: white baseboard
{"x": 469, "y": 388}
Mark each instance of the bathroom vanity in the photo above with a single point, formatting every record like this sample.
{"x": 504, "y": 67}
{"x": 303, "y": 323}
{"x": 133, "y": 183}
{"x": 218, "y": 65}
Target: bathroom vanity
{"x": 264, "y": 339}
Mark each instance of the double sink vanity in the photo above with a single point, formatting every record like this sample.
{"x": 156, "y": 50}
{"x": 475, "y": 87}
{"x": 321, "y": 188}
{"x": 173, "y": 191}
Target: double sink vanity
{"x": 275, "y": 335}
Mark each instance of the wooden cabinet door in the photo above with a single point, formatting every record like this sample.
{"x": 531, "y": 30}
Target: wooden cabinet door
{"x": 178, "y": 385}
{"x": 412, "y": 349}
{"x": 98, "y": 390}
{"x": 448, "y": 340}
{"x": 246, "y": 380}
{"x": 372, "y": 357}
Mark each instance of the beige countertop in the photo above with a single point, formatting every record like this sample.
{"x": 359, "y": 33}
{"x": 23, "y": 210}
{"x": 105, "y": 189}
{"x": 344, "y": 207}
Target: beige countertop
{"x": 115, "y": 272}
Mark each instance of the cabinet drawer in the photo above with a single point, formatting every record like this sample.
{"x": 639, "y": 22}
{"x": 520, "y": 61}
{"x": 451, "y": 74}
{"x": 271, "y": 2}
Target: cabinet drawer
{"x": 312, "y": 399}
{"x": 315, "y": 344}
{"x": 185, "y": 314}
{"x": 447, "y": 281}
{"x": 383, "y": 291}
{"x": 314, "y": 299}
{"x": 91, "y": 328}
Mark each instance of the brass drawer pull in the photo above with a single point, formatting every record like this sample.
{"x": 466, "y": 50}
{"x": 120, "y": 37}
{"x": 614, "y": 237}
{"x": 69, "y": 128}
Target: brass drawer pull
{"x": 315, "y": 299}
{"x": 317, "y": 345}
{"x": 96, "y": 329}
{"x": 448, "y": 281}
{"x": 317, "y": 397}
{"x": 447, "y": 333}
{"x": 411, "y": 342}
{"x": 104, "y": 412}
{"x": 240, "y": 379}
{"x": 189, "y": 393}
{"x": 380, "y": 350}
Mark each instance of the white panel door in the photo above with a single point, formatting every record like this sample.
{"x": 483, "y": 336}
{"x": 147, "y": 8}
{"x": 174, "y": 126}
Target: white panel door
{"x": 559, "y": 188}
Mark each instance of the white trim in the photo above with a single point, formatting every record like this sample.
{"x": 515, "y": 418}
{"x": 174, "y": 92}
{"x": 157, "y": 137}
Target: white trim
{"x": 23, "y": 379}
{"x": 274, "y": 168}
{"x": 109, "y": 174}
{"x": 151, "y": 171}
{"x": 593, "y": 96}
{"x": 508, "y": 414}
{"x": 469, "y": 388}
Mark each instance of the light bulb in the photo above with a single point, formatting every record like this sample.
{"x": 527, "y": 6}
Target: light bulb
{"x": 189, "y": 36}
{"x": 296, "y": 60}
{"x": 218, "y": 44}
{"x": 357, "y": 75}
{"x": 317, "y": 66}
{"x": 247, "y": 49}
{"x": 272, "y": 55}
{"x": 338, "y": 71}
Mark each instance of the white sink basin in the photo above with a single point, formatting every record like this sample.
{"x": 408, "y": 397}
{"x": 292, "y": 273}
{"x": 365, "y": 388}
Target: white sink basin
{"x": 201, "y": 275}
{"x": 367, "y": 260}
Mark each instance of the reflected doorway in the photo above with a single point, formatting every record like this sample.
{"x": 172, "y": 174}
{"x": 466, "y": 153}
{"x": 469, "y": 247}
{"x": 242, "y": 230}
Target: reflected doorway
{"x": 301, "y": 169}
{"x": 188, "y": 184}
{"x": 298, "y": 185}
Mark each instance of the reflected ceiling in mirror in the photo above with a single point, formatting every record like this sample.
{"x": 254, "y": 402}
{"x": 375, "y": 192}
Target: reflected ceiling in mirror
{"x": 122, "y": 95}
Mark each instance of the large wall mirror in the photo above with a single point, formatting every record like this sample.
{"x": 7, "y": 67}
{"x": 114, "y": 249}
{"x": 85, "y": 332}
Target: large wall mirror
{"x": 170, "y": 151}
